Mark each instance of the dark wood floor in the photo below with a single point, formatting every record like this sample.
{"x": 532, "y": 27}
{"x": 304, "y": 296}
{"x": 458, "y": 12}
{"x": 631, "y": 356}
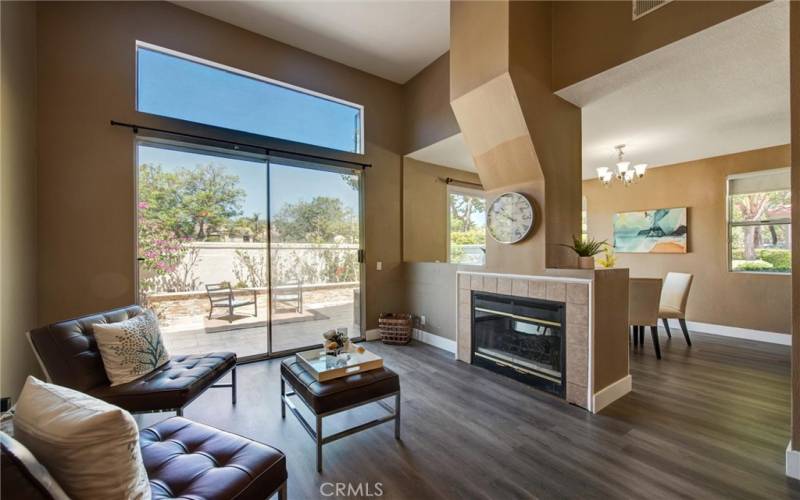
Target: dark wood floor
{"x": 711, "y": 421}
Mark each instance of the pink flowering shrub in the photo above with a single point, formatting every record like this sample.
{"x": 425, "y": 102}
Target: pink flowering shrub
{"x": 167, "y": 262}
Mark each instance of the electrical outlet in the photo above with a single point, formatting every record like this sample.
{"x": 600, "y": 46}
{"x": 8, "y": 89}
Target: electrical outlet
{"x": 422, "y": 320}
{"x": 379, "y": 266}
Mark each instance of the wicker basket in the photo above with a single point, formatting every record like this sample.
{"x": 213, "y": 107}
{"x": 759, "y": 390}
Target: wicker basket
{"x": 395, "y": 328}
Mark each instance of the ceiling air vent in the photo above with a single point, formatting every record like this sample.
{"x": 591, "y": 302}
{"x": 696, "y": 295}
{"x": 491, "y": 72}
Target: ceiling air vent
{"x": 644, "y": 7}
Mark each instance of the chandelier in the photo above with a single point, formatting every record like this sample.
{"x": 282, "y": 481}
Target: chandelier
{"x": 625, "y": 172}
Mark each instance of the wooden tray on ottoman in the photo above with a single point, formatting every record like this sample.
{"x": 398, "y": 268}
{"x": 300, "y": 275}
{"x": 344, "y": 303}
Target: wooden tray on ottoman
{"x": 328, "y": 367}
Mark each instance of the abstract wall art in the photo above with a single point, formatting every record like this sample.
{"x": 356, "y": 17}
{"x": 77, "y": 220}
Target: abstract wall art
{"x": 663, "y": 230}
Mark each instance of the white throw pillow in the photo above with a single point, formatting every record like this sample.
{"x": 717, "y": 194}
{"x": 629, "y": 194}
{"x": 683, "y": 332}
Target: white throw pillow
{"x": 89, "y": 446}
{"x": 132, "y": 348}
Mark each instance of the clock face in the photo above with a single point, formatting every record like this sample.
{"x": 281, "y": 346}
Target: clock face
{"x": 510, "y": 218}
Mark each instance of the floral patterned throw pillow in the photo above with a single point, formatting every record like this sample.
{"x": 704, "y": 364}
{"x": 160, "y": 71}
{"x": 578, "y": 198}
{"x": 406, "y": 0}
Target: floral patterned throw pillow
{"x": 132, "y": 348}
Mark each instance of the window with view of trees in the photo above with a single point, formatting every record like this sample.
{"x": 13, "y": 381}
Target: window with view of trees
{"x": 467, "y": 227}
{"x": 180, "y": 86}
{"x": 283, "y": 235}
{"x": 759, "y": 222}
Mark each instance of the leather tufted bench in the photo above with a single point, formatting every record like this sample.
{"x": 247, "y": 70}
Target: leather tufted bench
{"x": 69, "y": 356}
{"x": 338, "y": 395}
{"x": 185, "y": 459}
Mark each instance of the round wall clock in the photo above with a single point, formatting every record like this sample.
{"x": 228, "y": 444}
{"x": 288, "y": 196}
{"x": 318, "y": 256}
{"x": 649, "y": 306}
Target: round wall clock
{"x": 510, "y": 218}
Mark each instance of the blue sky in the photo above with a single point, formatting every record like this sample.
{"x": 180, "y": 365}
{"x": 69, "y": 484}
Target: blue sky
{"x": 288, "y": 184}
{"x": 178, "y": 88}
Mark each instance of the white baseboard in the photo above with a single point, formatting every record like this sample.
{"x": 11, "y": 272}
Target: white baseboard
{"x": 732, "y": 331}
{"x": 435, "y": 340}
{"x": 611, "y": 393}
{"x": 421, "y": 335}
{"x": 792, "y": 462}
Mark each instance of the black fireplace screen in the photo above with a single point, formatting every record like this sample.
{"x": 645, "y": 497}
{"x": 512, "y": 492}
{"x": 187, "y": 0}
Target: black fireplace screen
{"x": 520, "y": 337}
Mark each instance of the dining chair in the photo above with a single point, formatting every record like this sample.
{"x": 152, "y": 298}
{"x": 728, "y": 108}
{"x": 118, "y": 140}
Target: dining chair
{"x": 644, "y": 296}
{"x": 674, "y": 296}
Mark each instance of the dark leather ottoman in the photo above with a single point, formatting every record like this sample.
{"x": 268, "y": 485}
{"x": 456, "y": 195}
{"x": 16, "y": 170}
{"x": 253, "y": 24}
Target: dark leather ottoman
{"x": 337, "y": 395}
{"x": 185, "y": 459}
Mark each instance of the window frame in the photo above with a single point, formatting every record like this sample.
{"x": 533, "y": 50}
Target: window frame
{"x": 478, "y": 193}
{"x": 730, "y": 224}
{"x": 247, "y": 74}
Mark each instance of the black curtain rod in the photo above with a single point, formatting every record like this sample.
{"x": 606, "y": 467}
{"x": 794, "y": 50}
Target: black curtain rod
{"x": 267, "y": 150}
{"x": 450, "y": 180}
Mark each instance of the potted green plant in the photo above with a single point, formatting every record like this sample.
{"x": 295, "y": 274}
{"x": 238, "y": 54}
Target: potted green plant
{"x": 586, "y": 250}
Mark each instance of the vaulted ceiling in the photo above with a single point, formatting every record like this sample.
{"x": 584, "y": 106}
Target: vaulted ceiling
{"x": 720, "y": 91}
{"x": 389, "y": 38}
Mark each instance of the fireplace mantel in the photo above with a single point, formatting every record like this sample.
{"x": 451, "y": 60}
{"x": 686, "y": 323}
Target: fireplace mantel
{"x": 596, "y": 325}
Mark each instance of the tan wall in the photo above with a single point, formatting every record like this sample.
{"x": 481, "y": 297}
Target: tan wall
{"x": 527, "y": 256}
{"x": 591, "y": 37}
{"x": 426, "y": 98}
{"x": 17, "y": 194}
{"x": 611, "y": 338}
{"x": 587, "y": 38}
{"x": 517, "y": 130}
{"x": 86, "y": 193}
{"x": 479, "y": 52}
{"x": 430, "y": 290}
{"x": 744, "y": 300}
{"x": 425, "y": 209}
{"x": 554, "y": 125}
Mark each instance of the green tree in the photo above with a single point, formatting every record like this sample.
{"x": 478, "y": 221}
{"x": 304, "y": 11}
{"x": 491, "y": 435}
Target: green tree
{"x": 757, "y": 207}
{"x": 211, "y": 197}
{"x": 351, "y": 180}
{"x": 463, "y": 210}
{"x": 320, "y": 220}
{"x": 467, "y": 225}
{"x": 191, "y": 203}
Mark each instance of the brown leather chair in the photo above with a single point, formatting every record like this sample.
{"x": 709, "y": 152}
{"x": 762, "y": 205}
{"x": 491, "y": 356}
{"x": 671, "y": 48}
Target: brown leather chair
{"x": 69, "y": 356}
{"x": 183, "y": 459}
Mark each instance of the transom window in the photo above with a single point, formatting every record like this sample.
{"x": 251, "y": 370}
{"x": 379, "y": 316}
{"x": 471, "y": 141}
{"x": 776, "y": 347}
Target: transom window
{"x": 759, "y": 222}
{"x": 180, "y": 86}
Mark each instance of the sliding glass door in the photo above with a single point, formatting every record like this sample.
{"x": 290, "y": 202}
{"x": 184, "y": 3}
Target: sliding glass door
{"x": 237, "y": 253}
{"x": 314, "y": 250}
{"x": 202, "y": 247}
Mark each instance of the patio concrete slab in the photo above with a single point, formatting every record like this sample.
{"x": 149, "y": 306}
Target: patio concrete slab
{"x": 247, "y": 336}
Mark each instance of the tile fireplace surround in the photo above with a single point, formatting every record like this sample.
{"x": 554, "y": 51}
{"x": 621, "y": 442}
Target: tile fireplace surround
{"x": 596, "y": 325}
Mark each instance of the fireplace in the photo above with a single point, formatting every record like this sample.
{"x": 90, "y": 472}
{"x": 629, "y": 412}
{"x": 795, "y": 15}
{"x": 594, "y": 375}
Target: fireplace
{"x": 522, "y": 338}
